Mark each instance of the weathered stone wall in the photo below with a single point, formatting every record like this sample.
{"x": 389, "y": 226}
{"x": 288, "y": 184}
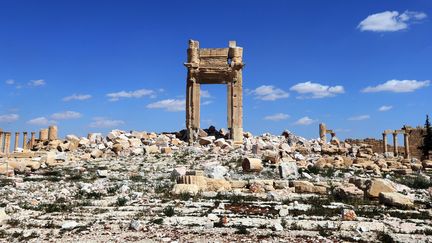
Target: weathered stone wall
{"x": 415, "y": 140}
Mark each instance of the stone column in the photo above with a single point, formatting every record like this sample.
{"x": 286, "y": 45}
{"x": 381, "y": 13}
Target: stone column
{"x": 1, "y": 140}
{"x": 192, "y": 90}
{"x": 322, "y": 132}
{"x": 32, "y": 140}
{"x": 52, "y": 132}
{"x": 237, "y": 94}
{"x": 24, "y": 141}
{"x": 43, "y": 134}
{"x": 229, "y": 106}
{"x": 395, "y": 144}
{"x": 7, "y": 143}
{"x": 406, "y": 146}
{"x": 385, "y": 142}
{"x": 16, "y": 141}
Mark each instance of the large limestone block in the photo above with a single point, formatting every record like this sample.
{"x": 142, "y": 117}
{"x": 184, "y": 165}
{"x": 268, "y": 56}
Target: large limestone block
{"x": 308, "y": 187}
{"x": 218, "y": 185}
{"x": 185, "y": 188}
{"x": 193, "y": 179}
{"x": 206, "y": 140}
{"x": 396, "y": 199}
{"x": 348, "y": 191}
{"x": 96, "y": 153}
{"x": 379, "y": 185}
{"x": 152, "y": 149}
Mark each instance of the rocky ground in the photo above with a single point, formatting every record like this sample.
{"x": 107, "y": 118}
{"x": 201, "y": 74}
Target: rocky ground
{"x": 143, "y": 186}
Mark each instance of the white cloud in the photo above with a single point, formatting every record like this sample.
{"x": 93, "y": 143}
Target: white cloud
{"x": 207, "y": 102}
{"x": 359, "y": 118}
{"x": 131, "y": 94}
{"x": 277, "y": 117}
{"x": 397, "y": 86}
{"x": 41, "y": 121}
{"x": 269, "y": 92}
{"x": 205, "y": 94}
{"x": 316, "y": 90}
{"x": 390, "y": 21}
{"x": 36, "y": 83}
{"x": 304, "y": 121}
{"x": 66, "y": 115}
{"x": 77, "y": 97}
{"x": 168, "y": 105}
{"x": 9, "y": 117}
{"x": 10, "y": 82}
{"x": 101, "y": 122}
{"x": 385, "y": 108}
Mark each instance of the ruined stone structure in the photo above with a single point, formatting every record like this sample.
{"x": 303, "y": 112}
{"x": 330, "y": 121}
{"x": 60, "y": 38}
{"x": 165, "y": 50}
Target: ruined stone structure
{"x": 413, "y": 138}
{"x": 323, "y": 131}
{"x": 214, "y": 66}
{"x": 406, "y": 132}
{"x": 5, "y": 140}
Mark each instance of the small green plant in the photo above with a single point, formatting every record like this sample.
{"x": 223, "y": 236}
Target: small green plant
{"x": 157, "y": 221}
{"x": 242, "y": 230}
{"x": 385, "y": 237}
{"x": 121, "y": 201}
{"x": 169, "y": 211}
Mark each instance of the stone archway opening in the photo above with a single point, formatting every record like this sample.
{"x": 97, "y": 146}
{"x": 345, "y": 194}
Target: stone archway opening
{"x": 215, "y": 66}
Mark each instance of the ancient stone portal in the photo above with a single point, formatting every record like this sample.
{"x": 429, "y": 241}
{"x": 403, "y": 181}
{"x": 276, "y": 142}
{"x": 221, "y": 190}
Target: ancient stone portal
{"x": 323, "y": 131}
{"x": 215, "y": 66}
{"x": 406, "y": 132}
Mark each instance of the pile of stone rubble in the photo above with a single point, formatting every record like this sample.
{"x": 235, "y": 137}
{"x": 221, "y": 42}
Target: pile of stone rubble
{"x": 270, "y": 186}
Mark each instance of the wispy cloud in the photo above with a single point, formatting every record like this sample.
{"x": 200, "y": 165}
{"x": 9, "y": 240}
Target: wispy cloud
{"x": 10, "y": 82}
{"x": 205, "y": 94}
{"x": 77, "y": 97}
{"x": 277, "y": 117}
{"x": 41, "y": 121}
{"x": 131, "y": 94}
{"x": 304, "y": 121}
{"x": 359, "y": 118}
{"x": 316, "y": 90}
{"x": 9, "y": 117}
{"x": 398, "y": 86}
{"x": 170, "y": 105}
{"x": 66, "y": 115}
{"x": 102, "y": 122}
{"x": 36, "y": 83}
{"x": 390, "y": 21}
{"x": 269, "y": 93}
{"x": 385, "y": 108}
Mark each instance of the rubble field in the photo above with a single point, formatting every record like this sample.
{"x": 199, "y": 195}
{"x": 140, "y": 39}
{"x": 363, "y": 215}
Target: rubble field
{"x": 139, "y": 186}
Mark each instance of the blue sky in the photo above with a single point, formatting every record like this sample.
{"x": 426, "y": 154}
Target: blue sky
{"x": 90, "y": 66}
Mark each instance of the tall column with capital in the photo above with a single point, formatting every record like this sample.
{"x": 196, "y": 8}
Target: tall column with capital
{"x": 406, "y": 146}
{"x": 24, "y": 141}
{"x": 395, "y": 144}
{"x": 16, "y": 141}
{"x": 385, "y": 142}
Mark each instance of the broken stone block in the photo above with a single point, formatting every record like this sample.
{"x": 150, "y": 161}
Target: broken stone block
{"x": 252, "y": 165}
{"x": 349, "y": 215}
{"x": 96, "y": 153}
{"x": 185, "y": 188}
{"x": 238, "y": 184}
{"x": 396, "y": 199}
{"x": 271, "y": 156}
{"x": 379, "y": 185}
{"x": 166, "y": 150}
{"x": 308, "y": 187}
{"x": 348, "y": 191}
{"x": 215, "y": 171}
{"x": 206, "y": 140}
{"x": 288, "y": 170}
{"x": 153, "y": 149}
{"x": 218, "y": 185}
